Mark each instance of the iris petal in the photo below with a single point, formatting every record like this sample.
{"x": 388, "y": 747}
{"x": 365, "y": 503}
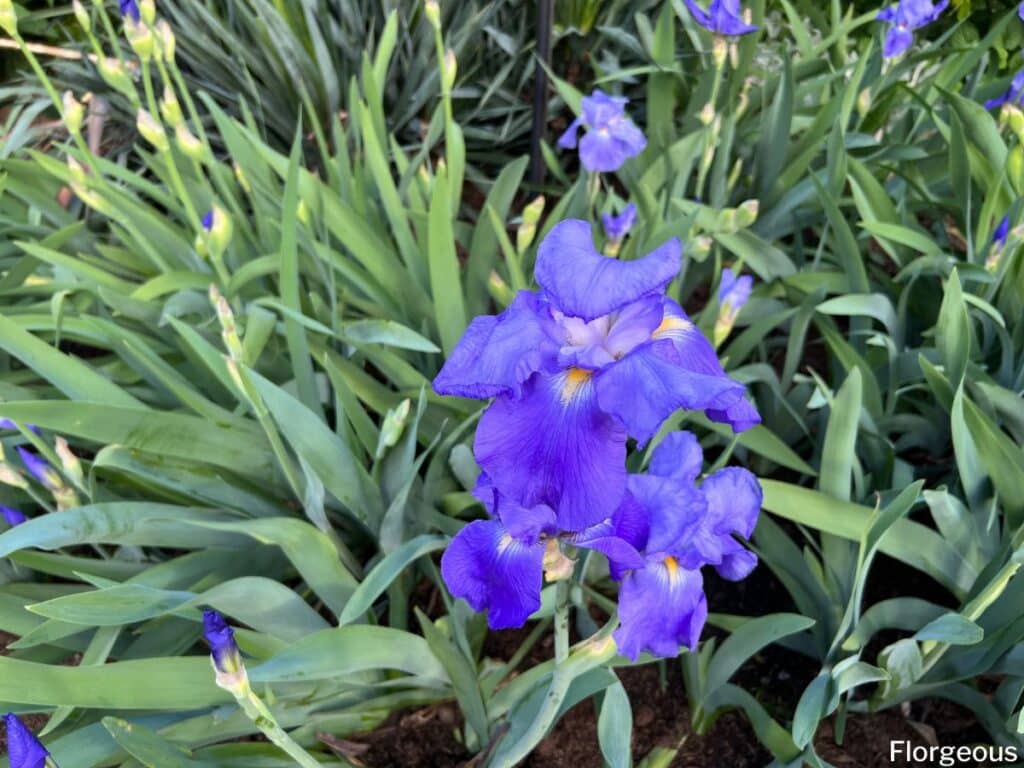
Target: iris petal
{"x": 661, "y": 607}
{"x": 556, "y": 447}
{"x": 583, "y": 283}
{"x": 497, "y": 354}
{"x": 897, "y": 40}
{"x": 679, "y": 455}
{"x": 23, "y": 748}
{"x": 494, "y": 572}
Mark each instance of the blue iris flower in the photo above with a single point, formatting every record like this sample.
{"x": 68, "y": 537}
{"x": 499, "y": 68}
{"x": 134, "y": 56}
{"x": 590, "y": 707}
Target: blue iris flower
{"x": 1014, "y": 94}
{"x": 9, "y": 424}
{"x": 23, "y": 748}
{"x": 661, "y": 535}
{"x": 611, "y": 137}
{"x": 723, "y": 17}
{"x": 207, "y": 221}
{"x": 599, "y": 354}
{"x": 12, "y": 516}
{"x": 905, "y": 17}
{"x": 1002, "y": 233}
{"x": 130, "y": 8}
{"x": 221, "y": 638}
{"x": 40, "y": 469}
{"x": 497, "y": 565}
{"x": 617, "y": 227}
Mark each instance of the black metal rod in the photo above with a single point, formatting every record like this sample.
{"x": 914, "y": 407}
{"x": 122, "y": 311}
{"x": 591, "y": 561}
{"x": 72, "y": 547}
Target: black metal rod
{"x": 545, "y": 22}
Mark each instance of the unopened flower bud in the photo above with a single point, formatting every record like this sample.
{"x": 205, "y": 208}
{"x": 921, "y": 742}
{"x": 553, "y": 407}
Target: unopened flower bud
{"x": 499, "y": 290}
{"x": 746, "y": 214}
{"x": 433, "y": 13}
{"x": 227, "y": 663}
{"x": 727, "y": 222}
{"x": 864, "y": 102}
{"x": 11, "y": 476}
{"x": 148, "y": 11}
{"x": 700, "y": 248}
{"x": 141, "y": 39}
{"x": 24, "y": 750}
{"x": 528, "y": 229}
{"x": 82, "y": 16}
{"x": 449, "y": 69}
{"x": 74, "y": 113}
{"x": 228, "y": 327}
{"x": 151, "y": 131}
{"x": 217, "y": 230}
{"x": 242, "y": 179}
{"x": 170, "y": 108}
{"x": 707, "y": 114}
{"x": 189, "y": 145}
{"x": 392, "y": 427}
{"x": 1015, "y": 119}
{"x": 302, "y": 212}
{"x": 113, "y": 74}
{"x": 71, "y": 463}
{"x": 719, "y": 51}
{"x": 8, "y": 18}
{"x": 168, "y": 43}
{"x": 733, "y": 293}
{"x": 12, "y": 516}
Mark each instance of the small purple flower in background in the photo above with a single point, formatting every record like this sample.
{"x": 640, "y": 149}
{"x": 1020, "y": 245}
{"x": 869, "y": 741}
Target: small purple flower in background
{"x": 130, "y": 9}
{"x": 12, "y": 516}
{"x": 617, "y": 227}
{"x": 224, "y": 653}
{"x": 40, "y": 469}
{"x": 598, "y": 355}
{"x": 23, "y": 748}
{"x": 207, "y": 221}
{"x": 611, "y": 137}
{"x": 665, "y": 530}
{"x": 1014, "y": 94}
{"x": 733, "y": 293}
{"x": 905, "y": 17}
{"x": 9, "y": 424}
{"x": 723, "y": 17}
{"x": 497, "y": 565}
{"x": 1020, "y": 11}
{"x": 999, "y": 239}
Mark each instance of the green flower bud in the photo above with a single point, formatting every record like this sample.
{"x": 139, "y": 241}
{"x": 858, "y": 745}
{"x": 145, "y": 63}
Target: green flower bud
{"x": 242, "y": 179}
{"x": 147, "y": 9}
{"x": 217, "y": 230}
{"x": 719, "y": 51}
{"x": 707, "y": 115}
{"x": 168, "y": 43}
{"x": 82, "y": 15}
{"x": 152, "y": 131}
{"x": 727, "y": 222}
{"x": 11, "y": 476}
{"x": 746, "y": 214}
{"x": 70, "y": 462}
{"x": 1015, "y": 119}
{"x": 449, "y": 69}
{"x": 864, "y": 102}
{"x": 700, "y": 248}
{"x": 392, "y": 427}
{"x": 189, "y": 145}
{"x": 433, "y": 13}
{"x": 74, "y": 113}
{"x": 8, "y": 18}
{"x": 528, "y": 229}
{"x": 228, "y": 326}
{"x": 113, "y": 74}
{"x": 170, "y": 108}
{"x": 141, "y": 39}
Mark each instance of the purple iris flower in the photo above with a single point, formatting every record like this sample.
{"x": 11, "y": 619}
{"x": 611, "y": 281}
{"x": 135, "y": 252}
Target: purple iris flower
{"x": 1002, "y": 233}
{"x": 497, "y": 565}
{"x": 40, "y": 469}
{"x": 207, "y": 221}
{"x": 221, "y": 638}
{"x": 12, "y": 516}
{"x": 661, "y": 535}
{"x": 617, "y": 227}
{"x": 9, "y": 424}
{"x": 597, "y": 355}
{"x": 734, "y": 290}
{"x": 905, "y": 17}
{"x": 1020, "y": 11}
{"x": 1014, "y": 95}
{"x": 723, "y": 17}
{"x": 611, "y": 138}
{"x": 130, "y": 8}
{"x": 23, "y": 748}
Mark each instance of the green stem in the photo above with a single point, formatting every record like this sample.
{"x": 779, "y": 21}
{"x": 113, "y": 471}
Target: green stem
{"x": 262, "y": 717}
{"x": 560, "y": 682}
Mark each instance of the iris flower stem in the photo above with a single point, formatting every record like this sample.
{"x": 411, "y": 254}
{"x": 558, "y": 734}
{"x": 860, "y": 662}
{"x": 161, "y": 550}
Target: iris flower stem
{"x": 264, "y": 719}
{"x": 560, "y": 681}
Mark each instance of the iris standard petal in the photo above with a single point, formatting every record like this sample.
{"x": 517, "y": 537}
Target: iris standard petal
{"x": 568, "y": 139}
{"x": 652, "y": 382}
{"x": 603, "y": 152}
{"x": 554, "y": 446}
{"x": 727, "y": 18}
{"x": 699, "y": 14}
{"x": 733, "y": 498}
{"x": 897, "y": 40}
{"x": 497, "y": 354}
{"x": 679, "y": 455}
{"x": 616, "y": 227}
{"x": 583, "y": 283}
{"x": 741, "y": 415}
{"x": 674, "y": 507}
{"x": 661, "y": 607}
{"x": 23, "y": 748}
{"x": 494, "y": 572}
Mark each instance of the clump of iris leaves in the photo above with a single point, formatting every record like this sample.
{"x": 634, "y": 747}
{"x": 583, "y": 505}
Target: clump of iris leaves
{"x": 277, "y": 454}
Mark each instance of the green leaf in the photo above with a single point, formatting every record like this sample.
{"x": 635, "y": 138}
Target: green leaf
{"x": 953, "y": 331}
{"x": 615, "y": 726}
{"x": 445, "y": 282}
{"x": 838, "y": 454}
{"x": 747, "y": 640}
{"x": 952, "y": 628}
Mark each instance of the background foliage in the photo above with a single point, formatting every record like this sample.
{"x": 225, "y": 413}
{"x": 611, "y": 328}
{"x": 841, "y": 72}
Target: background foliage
{"x": 284, "y": 460}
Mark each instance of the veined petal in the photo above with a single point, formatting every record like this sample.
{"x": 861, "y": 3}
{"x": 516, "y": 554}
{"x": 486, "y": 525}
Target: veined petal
{"x": 733, "y": 502}
{"x": 650, "y": 383}
{"x": 23, "y": 748}
{"x": 679, "y": 455}
{"x": 583, "y": 283}
{"x": 620, "y": 538}
{"x": 495, "y": 572}
{"x": 527, "y": 524}
{"x": 661, "y": 607}
{"x": 674, "y": 507}
{"x": 897, "y": 40}
{"x": 497, "y": 354}
{"x": 554, "y": 446}
{"x": 603, "y": 152}
{"x": 699, "y": 14}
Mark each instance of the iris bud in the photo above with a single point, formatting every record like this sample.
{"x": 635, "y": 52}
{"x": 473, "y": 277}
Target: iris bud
{"x": 1015, "y": 119}
{"x": 449, "y": 69}
{"x": 151, "y": 131}
{"x": 242, "y": 179}
{"x": 170, "y": 108}
{"x": 11, "y": 476}
{"x": 746, "y": 214}
{"x": 189, "y": 145}
{"x": 700, "y": 248}
{"x": 12, "y": 516}
{"x": 224, "y": 654}
{"x": 82, "y": 15}
{"x": 228, "y": 326}
{"x": 141, "y": 38}
{"x": 707, "y": 115}
{"x": 74, "y": 113}
{"x": 528, "y": 229}
{"x": 168, "y": 43}
{"x": 8, "y": 18}
{"x": 72, "y": 465}
{"x": 218, "y": 229}
{"x": 864, "y": 102}
{"x": 719, "y": 51}
{"x": 433, "y": 13}
{"x": 393, "y": 426}
{"x": 113, "y": 74}
{"x": 148, "y": 10}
